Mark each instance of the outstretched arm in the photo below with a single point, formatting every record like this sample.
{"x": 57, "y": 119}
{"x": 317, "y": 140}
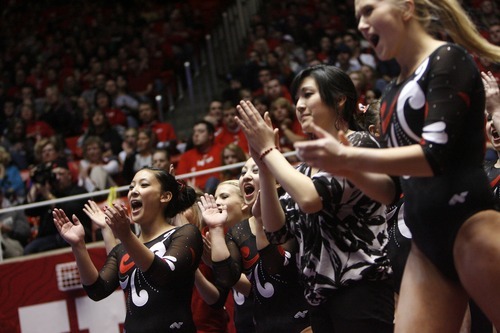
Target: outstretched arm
{"x": 260, "y": 235}
{"x": 267, "y": 207}
{"x": 329, "y": 154}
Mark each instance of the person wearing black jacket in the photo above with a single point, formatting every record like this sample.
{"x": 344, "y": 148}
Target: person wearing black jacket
{"x": 57, "y": 183}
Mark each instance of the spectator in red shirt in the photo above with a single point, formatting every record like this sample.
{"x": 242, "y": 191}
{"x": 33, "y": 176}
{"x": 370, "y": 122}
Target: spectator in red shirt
{"x": 148, "y": 116}
{"x": 115, "y": 116}
{"x": 231, "y": 131}
{"x": 214, "y": 115}
{"x": 283, "y": 117}
{"x": 205, "y": 154}
{"x": 264, "y": 75}
{"x": 276, "y": 90}
{"x": 140, "y": 79}
{"x": 35, "y": 128}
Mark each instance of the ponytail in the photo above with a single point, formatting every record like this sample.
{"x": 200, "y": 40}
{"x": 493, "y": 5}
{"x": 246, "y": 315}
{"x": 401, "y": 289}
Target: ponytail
{"x": 185, "y": 199}
{"x": 448, "y": 15}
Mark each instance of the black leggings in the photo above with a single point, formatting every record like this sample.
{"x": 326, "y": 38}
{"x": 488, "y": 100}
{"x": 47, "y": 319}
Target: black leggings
{"x": 367, "y": 306}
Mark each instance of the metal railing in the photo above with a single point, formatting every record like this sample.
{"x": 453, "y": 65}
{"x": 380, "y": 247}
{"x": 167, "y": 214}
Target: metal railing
{"x": 201, "y": 80}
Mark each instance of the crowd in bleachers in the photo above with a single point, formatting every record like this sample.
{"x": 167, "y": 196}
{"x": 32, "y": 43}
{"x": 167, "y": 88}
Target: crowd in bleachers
{"x": 78, "y": 81}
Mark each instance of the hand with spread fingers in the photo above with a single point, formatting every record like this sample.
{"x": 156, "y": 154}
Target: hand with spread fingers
{"x": 492, "y": 93}
{"x": 258, "y": 131}
{"x": 71, "y": 231}
{"x": 95, "y": 213}
{"x": 118, "y": 220}
{"x": 214, "y": 215}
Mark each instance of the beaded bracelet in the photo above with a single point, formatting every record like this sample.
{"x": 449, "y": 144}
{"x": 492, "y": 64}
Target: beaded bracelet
{"x": 265, "y": 152}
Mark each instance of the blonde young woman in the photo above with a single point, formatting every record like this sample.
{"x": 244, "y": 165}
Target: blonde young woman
{"x": 433, "y": 121}
{"x": 273, "y": 296}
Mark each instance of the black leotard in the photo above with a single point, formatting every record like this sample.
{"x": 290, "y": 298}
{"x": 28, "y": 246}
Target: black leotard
{"x": 440, "y": 107}
{"x": 159, "y": 299}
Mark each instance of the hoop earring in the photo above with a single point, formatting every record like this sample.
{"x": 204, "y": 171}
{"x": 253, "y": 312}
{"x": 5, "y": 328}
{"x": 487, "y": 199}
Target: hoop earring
{"x": 337, "y": 126}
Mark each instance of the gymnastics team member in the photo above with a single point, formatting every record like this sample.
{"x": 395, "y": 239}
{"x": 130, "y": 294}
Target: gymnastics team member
{"x": 278, "y": 302}
{"x": 155, "y": 269}
{"x": 433, "y": 121}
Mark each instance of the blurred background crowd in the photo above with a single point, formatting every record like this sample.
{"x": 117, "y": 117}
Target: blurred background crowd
{"x": 85, "y": 89}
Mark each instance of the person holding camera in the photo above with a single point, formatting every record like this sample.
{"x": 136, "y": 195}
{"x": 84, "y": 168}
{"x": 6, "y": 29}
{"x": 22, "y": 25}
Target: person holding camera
{"x": 52, "y": 182}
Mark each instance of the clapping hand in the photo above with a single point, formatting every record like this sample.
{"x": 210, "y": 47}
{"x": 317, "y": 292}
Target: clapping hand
{"x": 118, "y": 220}
{"x": 71, "y": 231}
{"x": 492, "y": 93}
{"x": 214, "y": 215}
{"x": 95, "y": 213}
{"x": 258, "y": 130}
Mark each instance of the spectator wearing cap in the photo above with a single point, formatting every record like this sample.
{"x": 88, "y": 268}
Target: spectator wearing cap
{"x": 52, "y": 183}
{"x": 294, "y": 51}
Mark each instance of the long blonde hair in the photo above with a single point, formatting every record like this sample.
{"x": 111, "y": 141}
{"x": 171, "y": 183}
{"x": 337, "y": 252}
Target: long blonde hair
{"x": 448, "y": 15}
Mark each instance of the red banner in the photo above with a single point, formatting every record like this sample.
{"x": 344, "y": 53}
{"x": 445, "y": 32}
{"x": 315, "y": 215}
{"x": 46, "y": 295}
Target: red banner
{"x": 42, "y": 293}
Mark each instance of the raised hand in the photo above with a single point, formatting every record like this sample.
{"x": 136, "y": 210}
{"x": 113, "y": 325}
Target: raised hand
{"x": 258, "y": 130}
{"x": 492, "y": 92}
{"x": 71, "y": 231}
{"x": 118, "y": 220}
{"x": 214, "y": 215}
{"x": 95, "y": 213}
